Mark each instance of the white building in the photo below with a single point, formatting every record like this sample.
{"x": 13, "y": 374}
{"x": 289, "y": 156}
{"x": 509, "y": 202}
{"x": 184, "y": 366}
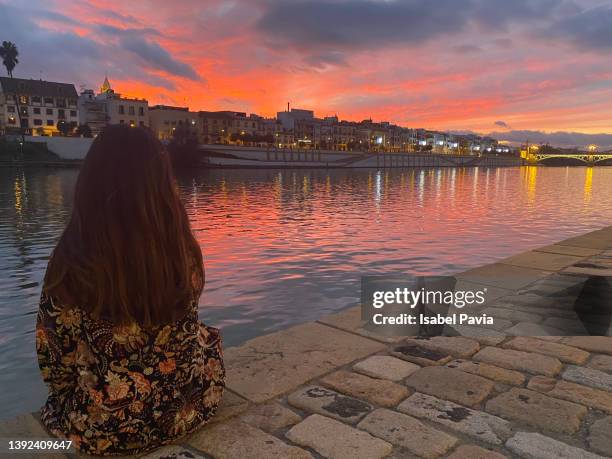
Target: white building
{"x": 165, "y": 120}
{"x": 91, "y": 111}
{"x": 42, "y": 105}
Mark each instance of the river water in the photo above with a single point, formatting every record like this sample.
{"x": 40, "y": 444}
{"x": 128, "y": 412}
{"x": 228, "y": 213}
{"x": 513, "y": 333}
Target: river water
{"x": 288, "y": 246}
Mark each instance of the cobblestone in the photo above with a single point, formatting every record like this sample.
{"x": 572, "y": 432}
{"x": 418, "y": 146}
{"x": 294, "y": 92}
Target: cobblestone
{"x": 537, "y": 446}
{"x": 385, "y": 367}
{"x": 593, "y": 398}
{"x": 237, "y": 440}
{"x": 519, "y": 360}
{"x": 483, "y": 336}
{"x": 456, "y": 346}
{"x": 475, "y": 452}
{"x": 563, "y": 352}
{"x": 601, "y": 344}
{"x": 601, "y": 363}
{"x": 588, "y": 377}
{"x": 270, "y": 417}
{"x": 407, "y": 432}
{"x": 477, "y": 424}
{"x": 420, "y": 355}
{"x": 502, "y": 375}
{"x": 451, "y": 384}
{"x": 537, "y": 410}
{"x": 329, "y": 403}
{"x": 600, "y": 436}
{"x": 376, "y": 391}
{"x": 335, "y": 440}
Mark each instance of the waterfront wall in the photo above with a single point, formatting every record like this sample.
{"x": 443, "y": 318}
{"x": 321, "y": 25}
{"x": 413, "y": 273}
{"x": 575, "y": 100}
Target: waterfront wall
{"x": 65, "y": 147}
{"x": 227, "y": 156}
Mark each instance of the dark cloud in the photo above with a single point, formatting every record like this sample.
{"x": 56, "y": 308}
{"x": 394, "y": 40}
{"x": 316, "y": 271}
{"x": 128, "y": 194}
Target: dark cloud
{"x": 558, "y": 139}
{"x": 157, "y": 57}
{"x": 333, "y": 24}
{"x": 54, "y": 16}
{"x": 126, "y": 19}
{"x": 151, "y": 53}
{"x": 502, "y": 124}
{"x": 66, "y": 56}
{"x": 361, "y": 23}
{"x": 589, "y": 29}
{"x": 131, "y": 31}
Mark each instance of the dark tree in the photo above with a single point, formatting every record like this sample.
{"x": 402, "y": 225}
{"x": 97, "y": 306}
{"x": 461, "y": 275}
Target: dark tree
{"x": 9, "y": 53}
{"x": 83, "y": 130}
{"x": 65, "y": 128}
{"x": 183, "y": 148}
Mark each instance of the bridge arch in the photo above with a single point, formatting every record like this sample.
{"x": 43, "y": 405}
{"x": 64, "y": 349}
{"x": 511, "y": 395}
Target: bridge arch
{"x": 562, "y": 161}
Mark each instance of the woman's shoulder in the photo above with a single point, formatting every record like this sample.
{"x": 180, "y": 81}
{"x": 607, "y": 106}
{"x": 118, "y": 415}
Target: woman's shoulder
{"x": 53, "y": 309}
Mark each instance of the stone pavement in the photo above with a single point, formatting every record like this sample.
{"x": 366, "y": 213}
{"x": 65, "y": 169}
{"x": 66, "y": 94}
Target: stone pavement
{"x": 332, "y": 389}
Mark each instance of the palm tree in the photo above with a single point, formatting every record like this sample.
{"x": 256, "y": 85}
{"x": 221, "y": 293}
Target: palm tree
{"x": 9, "y": 53}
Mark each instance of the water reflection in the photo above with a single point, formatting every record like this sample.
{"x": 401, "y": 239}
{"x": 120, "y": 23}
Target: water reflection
{"x": 283, "y": 247}
{"x": 588, "y": 185}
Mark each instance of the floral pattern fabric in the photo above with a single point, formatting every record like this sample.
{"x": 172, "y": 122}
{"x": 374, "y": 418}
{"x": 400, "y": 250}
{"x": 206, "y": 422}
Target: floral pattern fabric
{"x": 124, "y": 389}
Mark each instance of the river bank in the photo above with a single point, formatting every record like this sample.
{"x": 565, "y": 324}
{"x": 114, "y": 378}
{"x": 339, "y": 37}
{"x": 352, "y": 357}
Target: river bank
{"x": 331, "y": 389}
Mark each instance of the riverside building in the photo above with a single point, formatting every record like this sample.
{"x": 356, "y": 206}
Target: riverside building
{"x": 37, "y": 106}
{"x": 109, "y": 107}
{"x": 164, "y": 121}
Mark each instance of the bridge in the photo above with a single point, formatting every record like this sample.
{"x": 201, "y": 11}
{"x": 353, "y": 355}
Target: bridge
{"x": 588, "y": 159}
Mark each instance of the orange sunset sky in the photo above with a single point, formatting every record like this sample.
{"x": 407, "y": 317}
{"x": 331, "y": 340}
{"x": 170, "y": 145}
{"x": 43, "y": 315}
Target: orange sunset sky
{"x": 508, "y": 67}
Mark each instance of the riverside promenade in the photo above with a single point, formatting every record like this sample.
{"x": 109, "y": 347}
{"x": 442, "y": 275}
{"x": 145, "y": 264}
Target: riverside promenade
{"x": 331, "y": 389}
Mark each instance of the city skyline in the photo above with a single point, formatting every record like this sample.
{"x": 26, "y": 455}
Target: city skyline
{"x": 469, "y": 65}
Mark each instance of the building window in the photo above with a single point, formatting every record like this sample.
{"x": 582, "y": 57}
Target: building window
{"x": 131, "y": 110}
{"x": 49, "y": 100}
{"x": 73, "y": 113}
{"x": 36, "y": 111}
{"x": 49, "y": 111}
{"x": 166, "y": 122}
{"x": 72, "y": 102}
{"x": 36, "y": 99}
{"x": 10, "y": 109}
{"x": 23, "y": 99}
{"x": 121, "y": 121}
{"x": 61, "y": 113}
{"x": 140, "y": 111}
{"x": 121, "y": 110}
{"x": 11, "y": 120}
{"x": 24, "y": 111}
{"x": 141, "y": 123}
{"x": 61, "y": 103}
{"x": 37, "y": 122}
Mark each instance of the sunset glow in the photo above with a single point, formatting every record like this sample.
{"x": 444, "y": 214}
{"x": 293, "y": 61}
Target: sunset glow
{"x": 465, "y": 65}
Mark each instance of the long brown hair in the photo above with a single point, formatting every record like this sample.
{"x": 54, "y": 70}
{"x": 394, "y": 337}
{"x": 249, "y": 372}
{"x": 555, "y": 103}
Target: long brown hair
{"x": 128, "y": 253}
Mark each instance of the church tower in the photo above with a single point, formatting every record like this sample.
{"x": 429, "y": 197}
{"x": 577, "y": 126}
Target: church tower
{"x": 106, "y": 87}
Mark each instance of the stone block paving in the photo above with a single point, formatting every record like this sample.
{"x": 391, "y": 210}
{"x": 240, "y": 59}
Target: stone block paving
{"x": 331, "y": 390}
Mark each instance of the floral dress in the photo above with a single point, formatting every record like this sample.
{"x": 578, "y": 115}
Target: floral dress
{"x": 125, "y": 389}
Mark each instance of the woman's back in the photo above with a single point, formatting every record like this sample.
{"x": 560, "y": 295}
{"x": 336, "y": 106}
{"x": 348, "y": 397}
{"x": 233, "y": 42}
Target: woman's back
{"x": 128, "y": 365}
